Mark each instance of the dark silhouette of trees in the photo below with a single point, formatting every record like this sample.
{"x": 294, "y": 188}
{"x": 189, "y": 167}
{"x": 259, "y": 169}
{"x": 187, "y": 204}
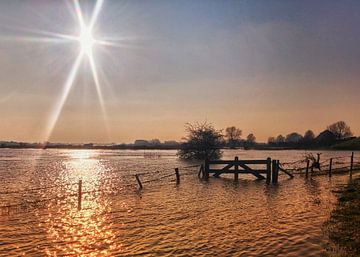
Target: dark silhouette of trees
{"x": 202, "y": 141}
{"x": 272, "y": 141}
{"x": 340, "y": 129}
{"x": 280, "y": 139}
{"x": 308, "y": 139}
{"x": 293, "y": 138}
{"x": 233, "y": 136}
{"x": 251, "y": 139}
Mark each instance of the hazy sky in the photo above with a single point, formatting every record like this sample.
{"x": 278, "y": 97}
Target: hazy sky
{"x": 267, "y": 67}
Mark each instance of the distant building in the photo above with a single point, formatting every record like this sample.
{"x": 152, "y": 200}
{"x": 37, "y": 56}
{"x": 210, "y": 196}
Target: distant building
{"x": 326, "y": 138}
{"x": 141, "y": 142}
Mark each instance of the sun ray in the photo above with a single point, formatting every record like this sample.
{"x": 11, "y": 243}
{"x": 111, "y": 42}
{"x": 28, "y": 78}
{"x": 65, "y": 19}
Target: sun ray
{"x": 60, "y": 104}
{"x": 95, "y": 13}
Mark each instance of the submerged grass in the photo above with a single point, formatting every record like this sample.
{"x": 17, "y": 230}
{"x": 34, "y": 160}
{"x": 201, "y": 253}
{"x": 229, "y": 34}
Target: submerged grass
{"x": 344, "y": 223}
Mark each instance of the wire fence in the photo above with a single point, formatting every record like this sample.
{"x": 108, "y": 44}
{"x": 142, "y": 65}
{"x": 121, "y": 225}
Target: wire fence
{"x": 19, "y": 198}
{"x": 338, "y": 164}
{"x": 36, "y": 197}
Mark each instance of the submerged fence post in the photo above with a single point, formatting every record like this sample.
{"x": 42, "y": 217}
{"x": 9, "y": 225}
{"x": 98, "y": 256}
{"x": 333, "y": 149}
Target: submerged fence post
{"x": 330, "y": 166}
{"x": 206, "y": 170}
{"x": 351, "y": 164}
{"x": 236, "y": 173}
{"x": 79, "y": 194}
{"x": 138, "y": 180}
{"x": 268, "y": 170}
{"x": 177, "y": 175}
{"x": 201, "y": 171}
{"x": 307, "y": 169}
{"x": 275, "y": 171}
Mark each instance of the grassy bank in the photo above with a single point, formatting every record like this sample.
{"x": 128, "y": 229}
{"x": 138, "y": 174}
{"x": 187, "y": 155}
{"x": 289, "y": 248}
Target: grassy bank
{"x": 353, "y": 144}
{"x": 344, "y": 224}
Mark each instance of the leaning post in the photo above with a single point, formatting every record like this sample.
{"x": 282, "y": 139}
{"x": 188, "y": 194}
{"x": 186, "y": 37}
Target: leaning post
{"x": 330, "y": 167}
{"x": 177, "y": 175}
{"x": 138, "y": 181}
{"x": 268, "y": 171}
{"x": 79, "y": 194}
{"x": 236, "y": 173}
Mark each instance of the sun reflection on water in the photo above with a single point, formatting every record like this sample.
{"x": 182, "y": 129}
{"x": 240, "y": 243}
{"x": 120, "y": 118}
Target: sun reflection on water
{"x": 84, "y": 232}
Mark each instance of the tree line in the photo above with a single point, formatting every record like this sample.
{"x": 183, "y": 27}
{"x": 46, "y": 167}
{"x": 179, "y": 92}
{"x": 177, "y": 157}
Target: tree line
{"x": 202, "y": 140}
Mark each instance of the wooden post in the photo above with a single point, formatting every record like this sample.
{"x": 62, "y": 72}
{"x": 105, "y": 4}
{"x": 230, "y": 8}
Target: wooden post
{"x": 307, "y": 169}
{"x": 138, "y": 180}
{"x": 79, "y": 194}
{"x": 177, "y": 175}
{"x": 330, "y": 167}
{"x": 236, "y": 173}
{"x": 206, "y": 170}
{"x": 274, "y": 171}
{"x": 351, "y": 164}
{"x": 268, "y": 171}
{"x": 201, "y": 171}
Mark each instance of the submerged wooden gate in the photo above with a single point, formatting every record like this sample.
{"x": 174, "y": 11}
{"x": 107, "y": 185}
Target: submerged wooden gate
{"x": 258, "y": 168}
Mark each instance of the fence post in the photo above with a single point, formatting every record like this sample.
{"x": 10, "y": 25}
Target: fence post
{"x": 138, "y": 180}
{"x": 79, "y": 194}
{"x": 177, "y": 175}
{"x": 307, "y": 169}
{"x": 351, "y": 164}
{"x": 206, "y": 170}
{"x": 274, "y": 171}
{"x": 330, "y": 166}
{"x": 201, "y": 171}
{"x": 268, "y": 171}
{"x": 236, "y": 173}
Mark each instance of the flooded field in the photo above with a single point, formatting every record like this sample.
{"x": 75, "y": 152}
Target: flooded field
{"x": 39, "y": 206}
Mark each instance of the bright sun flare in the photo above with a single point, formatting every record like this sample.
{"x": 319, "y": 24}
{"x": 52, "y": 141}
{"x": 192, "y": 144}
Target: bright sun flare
{"x": 86, "y": 41}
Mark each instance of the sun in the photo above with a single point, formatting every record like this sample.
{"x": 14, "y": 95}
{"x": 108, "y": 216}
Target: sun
{"x": 86, "y": 40}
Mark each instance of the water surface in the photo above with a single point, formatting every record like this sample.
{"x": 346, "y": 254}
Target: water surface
{"x": 195, "y": 218}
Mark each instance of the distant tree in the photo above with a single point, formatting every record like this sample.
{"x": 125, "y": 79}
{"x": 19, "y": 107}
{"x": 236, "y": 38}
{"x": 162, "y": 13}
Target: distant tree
{"x": 340, "y": 129}
{"x": 271, "y": 141}
{"x": 309, "y": 135}
{"x": 202, "y": 141}
{"x": 251, "y": 139}
{"x": 280, "y": 139}
{"x": 293, "y": 138}
{"x": 233, "y": 136}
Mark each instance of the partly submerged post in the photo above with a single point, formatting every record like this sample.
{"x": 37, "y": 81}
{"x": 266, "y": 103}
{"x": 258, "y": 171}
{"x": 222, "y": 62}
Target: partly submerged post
{"x": 351, "y": 164}
{"x": 79, "y": 194}
{"x": 206, "y": 169}
{"x": 177, "y": 175}
{"x": 275, "y": 171}
{"x": 330, "y": 166}
{"x": 268, "y": 171}
{"x": 236, "y": 173}
{"x": 307, "y": 168}
{"x": 201, "y": 171}
{"x": 138, "y": 180}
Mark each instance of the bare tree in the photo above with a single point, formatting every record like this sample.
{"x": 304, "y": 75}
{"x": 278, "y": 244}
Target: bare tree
{"x": 271, "y": 140}
{"x": 251, "y": 139}
{"x": 202, "y": 141}
{"x": 233, "y": 136}
{"x": 280, "y": 139}
{"x": 340, "y": 129}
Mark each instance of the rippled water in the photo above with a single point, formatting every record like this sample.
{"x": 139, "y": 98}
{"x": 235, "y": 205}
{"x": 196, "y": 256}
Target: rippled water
{"x": 195, "y": 218}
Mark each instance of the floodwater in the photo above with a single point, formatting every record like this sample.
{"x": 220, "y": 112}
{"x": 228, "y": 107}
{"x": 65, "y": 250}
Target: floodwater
{"x": 218, "y": 217}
